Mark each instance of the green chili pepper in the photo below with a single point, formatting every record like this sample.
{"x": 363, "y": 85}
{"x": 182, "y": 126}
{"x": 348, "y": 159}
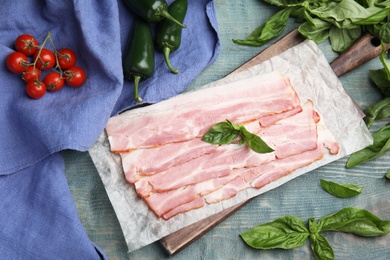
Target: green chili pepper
{"x": 168, "y": 35}
{"x": 138, "y": 61}
{"x": 151, "y": 11}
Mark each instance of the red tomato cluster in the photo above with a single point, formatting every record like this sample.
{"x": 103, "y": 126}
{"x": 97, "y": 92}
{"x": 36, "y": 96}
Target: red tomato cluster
{"x": 58, "y": 67}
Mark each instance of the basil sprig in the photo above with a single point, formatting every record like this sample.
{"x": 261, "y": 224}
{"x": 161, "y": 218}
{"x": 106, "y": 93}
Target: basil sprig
{"x": 227, "y": 132}
{"x": 341, "y": 190}
{"x": 290, "y": 232}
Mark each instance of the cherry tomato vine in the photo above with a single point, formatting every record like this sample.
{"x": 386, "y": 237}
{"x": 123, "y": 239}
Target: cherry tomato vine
{"x": 32, "y": 60}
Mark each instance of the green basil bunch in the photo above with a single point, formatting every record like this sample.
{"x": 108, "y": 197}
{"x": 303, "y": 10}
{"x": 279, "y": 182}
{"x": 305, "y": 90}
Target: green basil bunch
{"x": 289, "y": 232}
{"x": 342, "y": 22}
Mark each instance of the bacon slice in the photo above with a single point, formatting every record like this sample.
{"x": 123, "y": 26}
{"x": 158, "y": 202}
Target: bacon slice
{"x": 294, "y": 134}
{"x": 190, "y": 115}
{"x": 194, "y": 204}
{"x": 144, "y": 162}
{"x": 161, "y": 203}
{"x": 257, "y": 177}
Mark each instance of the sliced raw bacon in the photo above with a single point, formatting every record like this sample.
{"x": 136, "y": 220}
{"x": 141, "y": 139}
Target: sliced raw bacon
{"x": 269, "y": 120}
{"x": 288, "y": 165}
{"x": 293, "y": 135}
{"x": 257, "y": 177}
{"x": 210, "y": 166}
{"x": 227, "y": 158}
{"x": 300, "y": 126}
{"x": 144, "y": 162}
{"x": 198, "y": 202}
{"x": 190, "y": 115}
{"x": 161, "y": 203}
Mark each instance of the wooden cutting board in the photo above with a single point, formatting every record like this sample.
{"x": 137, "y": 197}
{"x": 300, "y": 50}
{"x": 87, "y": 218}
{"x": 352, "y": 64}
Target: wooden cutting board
{"x": 365, "y": 49}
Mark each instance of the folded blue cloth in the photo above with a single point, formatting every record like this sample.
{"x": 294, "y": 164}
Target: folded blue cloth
{"x": 33, "y": 131}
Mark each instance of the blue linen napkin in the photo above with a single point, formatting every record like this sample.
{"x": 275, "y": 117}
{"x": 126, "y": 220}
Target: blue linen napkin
{"x": 33, "y": 131}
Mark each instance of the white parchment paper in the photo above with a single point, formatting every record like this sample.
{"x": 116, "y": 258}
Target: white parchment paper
{"x": 312, "y": 78}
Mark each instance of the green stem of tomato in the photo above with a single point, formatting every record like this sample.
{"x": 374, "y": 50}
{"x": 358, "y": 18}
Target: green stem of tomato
{"x": 55, "y": 54}
{"x": 48, "y": 37}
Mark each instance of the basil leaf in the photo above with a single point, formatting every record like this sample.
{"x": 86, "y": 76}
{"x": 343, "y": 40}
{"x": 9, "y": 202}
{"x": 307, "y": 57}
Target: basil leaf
{"x": 378, "y": 111}
{"x": 384, "y": 32}
{"x": 255, "y": 33}
{"x": 356, "y": 221}
{"x": 340, "y": 190}
{"x": 286, "y": 232}
{"x": 380, "y": 79}
{"x": 255, "y": 142}
{"x": 272, "y": 28}
{"x": 221, "y": 133}
{"x": 316, "y": 30}
{"x": 341, "y": 39}
{"x": 380, "y": 146}
{"x": 374, "y": 18}
{"x": 346, "y": 9}
{"x": 321, "y": 247}
{"x": 388, "y": 174}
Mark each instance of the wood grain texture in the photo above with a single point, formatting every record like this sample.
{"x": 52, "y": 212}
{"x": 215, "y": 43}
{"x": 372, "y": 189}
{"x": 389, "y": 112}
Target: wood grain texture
{"x": 364, "y": 50}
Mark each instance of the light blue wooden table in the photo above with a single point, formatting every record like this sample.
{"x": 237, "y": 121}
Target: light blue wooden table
{"x": 302, "y": 197}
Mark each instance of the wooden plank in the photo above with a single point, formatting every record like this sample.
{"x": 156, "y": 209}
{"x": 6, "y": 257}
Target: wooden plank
{"x": 362, "y": 51}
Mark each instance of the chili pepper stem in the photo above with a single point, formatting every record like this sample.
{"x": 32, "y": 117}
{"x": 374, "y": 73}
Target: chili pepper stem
{"x": 166, "y": 52}
{"x": 167, "y": 15}
{"x": 137, "y": 79}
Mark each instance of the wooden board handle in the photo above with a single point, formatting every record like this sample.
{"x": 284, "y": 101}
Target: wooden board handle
{"x": 363, "y": 50}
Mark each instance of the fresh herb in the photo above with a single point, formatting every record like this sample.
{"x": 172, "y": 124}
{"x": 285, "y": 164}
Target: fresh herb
{"x": 388, "y": 174}
{"x": 341, "y": 190}
{"x": 290, "y": 232}
{"x": 355, "y": 221}
{"x": 227, "y": 132}
{"x": 378, "y": 111}
{"x": 268, "y": 31}
{"x": 342, "y": 22}
{"x": 287, "y": 232}
{"x": 380, "y": 146}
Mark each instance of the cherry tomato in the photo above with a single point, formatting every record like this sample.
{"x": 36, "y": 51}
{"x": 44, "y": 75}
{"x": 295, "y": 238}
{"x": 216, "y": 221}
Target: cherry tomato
{"x": 75, "y": 76}
{"x": 66, "y": 58}
{"x": 54, "y": 81}
{"x": 31, "y": 73}
{"x": 35, "y": 89}
{"x": 46, "y": 59}
{"x": 17, "y": 62}
{"x": 26, "y": 44}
